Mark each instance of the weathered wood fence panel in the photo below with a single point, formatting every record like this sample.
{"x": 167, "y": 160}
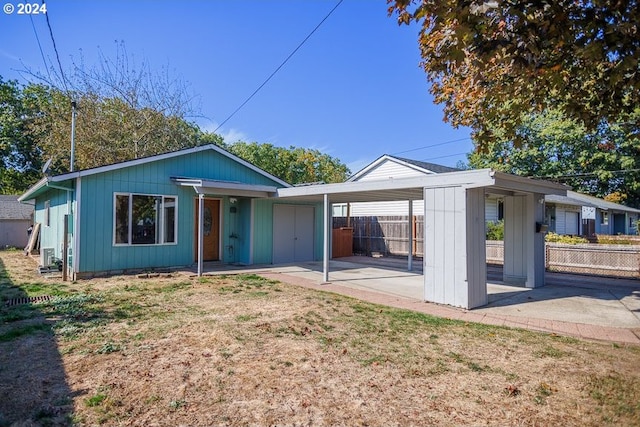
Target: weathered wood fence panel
{"x": 389, "y": 235}
{"x": 386, "y": 235}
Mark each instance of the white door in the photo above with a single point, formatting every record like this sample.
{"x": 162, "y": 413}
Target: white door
{"x": 292, "y": 233}
{"x": 571, "y": 223}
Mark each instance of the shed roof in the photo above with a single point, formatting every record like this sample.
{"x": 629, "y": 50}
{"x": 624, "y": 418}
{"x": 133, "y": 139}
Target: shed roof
{"x": 11, "y": 208}
{"x": 579, "y": 199}
{"x": 413, "y": 188}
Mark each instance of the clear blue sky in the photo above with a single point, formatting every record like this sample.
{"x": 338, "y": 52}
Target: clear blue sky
{"x": 354, "y": 90}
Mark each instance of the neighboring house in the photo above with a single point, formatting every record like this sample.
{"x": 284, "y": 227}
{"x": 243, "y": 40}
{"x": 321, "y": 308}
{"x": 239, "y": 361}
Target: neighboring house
{"x": 145, "y": 214}
{"x": 578, "y": 214}
{"x": 15, "y": 220}
{"x": 564, "y": 214}
{"x": 389, "y": 167}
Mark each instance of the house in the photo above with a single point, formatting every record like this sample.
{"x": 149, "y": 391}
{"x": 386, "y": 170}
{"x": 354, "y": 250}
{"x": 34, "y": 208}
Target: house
{"x": 15, "y": 220}
{"x": 205, "y": 204}
{"x": 389, "y": 167}
{"x": 579, "y": 214}
{"x": 170, "y": 210}
{"x": 563, "y": 214}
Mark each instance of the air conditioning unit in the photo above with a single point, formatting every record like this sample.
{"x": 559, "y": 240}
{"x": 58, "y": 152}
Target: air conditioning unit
{"x": 48, "y": 255}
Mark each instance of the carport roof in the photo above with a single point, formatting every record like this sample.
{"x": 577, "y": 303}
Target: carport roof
{"x": 413, "y": 188}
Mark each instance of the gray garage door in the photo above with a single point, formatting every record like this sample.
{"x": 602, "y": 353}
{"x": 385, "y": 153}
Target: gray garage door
{"x": 292, "y": 233}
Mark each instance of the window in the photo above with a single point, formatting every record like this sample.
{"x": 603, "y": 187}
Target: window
{"x": 47, "y": 213}
{"x": 500, "y": 210}
{"x": 141, "y": 219}
{"x": 604, "y": 219}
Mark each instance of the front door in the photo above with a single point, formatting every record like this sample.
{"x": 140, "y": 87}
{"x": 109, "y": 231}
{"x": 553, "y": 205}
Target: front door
{"x": 211, "y": 229}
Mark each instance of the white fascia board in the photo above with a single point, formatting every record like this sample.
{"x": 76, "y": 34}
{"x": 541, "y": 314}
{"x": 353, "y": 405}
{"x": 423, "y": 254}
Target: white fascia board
{"x": 528, "y": 185}
{"x": 164, "y": 156}
{"x": 35, "y": 187}
{"x": 202, "y": 186}
{"x": 366, "y": 169}
{"x": 473, "y": 178}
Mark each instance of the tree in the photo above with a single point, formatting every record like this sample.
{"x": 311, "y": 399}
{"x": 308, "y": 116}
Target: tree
{"x": 604, "y": 163}
{"x": 20, "y": 157}
{"x": 124, "y": 111}
{"x": 490, "y": 61}
{"x": 294, "y": 165}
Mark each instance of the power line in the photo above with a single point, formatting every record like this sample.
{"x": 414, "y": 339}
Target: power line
{"x": 55, "y": 48}
{"x": 442, "y": 157}
{"x": 587, "y": 174}
{"x": 277, "y": 69}
{"x": 432, "y": 145}
{"x": 46, "y": 67}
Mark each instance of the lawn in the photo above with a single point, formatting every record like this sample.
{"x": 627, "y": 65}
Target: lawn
{"x": 245, "y": 350}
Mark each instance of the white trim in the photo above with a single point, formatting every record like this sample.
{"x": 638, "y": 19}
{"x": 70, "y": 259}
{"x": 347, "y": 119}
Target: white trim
{"x": 160, "y": 223}
{"x": 412, "y": 188}
{"x": 384, "y": 158}
{"x": 200, "y": 233}
{"x": 165, "y": 156}
{"x": 252, "y": 216}
{"x": 76, "y": 229}
{"x": 227, "y": 188}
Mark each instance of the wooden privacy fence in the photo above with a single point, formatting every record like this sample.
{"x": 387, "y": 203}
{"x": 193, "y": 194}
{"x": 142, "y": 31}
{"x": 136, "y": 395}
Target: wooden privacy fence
{"x": 588, "y": 258}
{"x": 385, "y": 235}
{"x": 390, "y": 235}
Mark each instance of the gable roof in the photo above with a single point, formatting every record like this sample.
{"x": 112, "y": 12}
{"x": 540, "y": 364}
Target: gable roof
{"x": 432, "y": 167}
{"x": 578, "y": 199}
{"x": 11, "y": 208}
{"x": 51, "y": 181}
{"x": 417, "y": 165}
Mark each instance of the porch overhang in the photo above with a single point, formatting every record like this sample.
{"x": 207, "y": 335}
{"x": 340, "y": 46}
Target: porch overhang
{"x": 226, "y": 188}
{"x": 413, "y": 188}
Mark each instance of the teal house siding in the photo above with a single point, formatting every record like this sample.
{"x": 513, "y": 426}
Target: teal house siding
{"x": 246, "y": 213}
{"x": 98, "y": 196}
{"x": 52, "y": 231}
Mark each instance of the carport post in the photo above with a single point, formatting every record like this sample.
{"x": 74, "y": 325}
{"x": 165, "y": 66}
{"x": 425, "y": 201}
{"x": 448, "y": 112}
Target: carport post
{"x": 410, "y": 259}
{"x": 200, "y": 231}
{"x": 326, "y": 239}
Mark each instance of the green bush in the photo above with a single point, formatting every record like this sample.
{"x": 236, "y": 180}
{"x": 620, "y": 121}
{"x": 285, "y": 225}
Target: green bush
{"x": 570, "y": 240}
{"x": 495, "y": 230}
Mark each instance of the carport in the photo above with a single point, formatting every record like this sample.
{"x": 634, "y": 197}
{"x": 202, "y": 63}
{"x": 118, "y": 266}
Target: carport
{"x": 454, "y": 267}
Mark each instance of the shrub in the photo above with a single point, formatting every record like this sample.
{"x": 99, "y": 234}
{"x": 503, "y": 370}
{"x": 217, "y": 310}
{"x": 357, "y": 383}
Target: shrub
{"x": 495, "y": 230}
{"x": 570, "y": 240}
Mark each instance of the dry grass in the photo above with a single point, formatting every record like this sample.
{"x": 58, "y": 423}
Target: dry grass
{"x": 244, "y": 350}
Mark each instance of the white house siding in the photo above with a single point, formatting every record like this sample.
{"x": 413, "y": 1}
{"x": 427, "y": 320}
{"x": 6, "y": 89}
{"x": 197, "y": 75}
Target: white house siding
{"x": 389, "y": 169}
{"x": 491, "y": 209}
{"x": 386, "y": 208}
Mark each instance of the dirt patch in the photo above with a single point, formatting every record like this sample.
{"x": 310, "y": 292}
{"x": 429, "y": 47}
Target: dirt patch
{"x": 245, "y": 350}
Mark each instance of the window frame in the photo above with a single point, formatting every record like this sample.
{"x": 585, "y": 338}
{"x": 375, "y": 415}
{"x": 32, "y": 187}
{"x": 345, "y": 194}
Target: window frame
{"x": 47, "y": 213}
{"x": 161, "y": 222}
{"x": 604, "y": 218}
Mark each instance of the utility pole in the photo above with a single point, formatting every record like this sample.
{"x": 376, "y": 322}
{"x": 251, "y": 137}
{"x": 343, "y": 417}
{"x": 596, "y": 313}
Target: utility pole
{"x": 73, "y": 135}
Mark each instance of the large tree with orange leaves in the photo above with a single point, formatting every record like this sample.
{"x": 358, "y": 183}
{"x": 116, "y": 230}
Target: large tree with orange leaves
{"x": 490, "y": 61}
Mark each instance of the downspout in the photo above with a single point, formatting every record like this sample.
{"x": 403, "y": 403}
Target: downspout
{"x": 200, "y": 232}
{"x": 327, "y": 234}
{"x": 76, "y": 231}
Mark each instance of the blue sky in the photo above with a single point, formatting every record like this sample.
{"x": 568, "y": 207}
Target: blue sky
{"x": 354, "y": 90}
